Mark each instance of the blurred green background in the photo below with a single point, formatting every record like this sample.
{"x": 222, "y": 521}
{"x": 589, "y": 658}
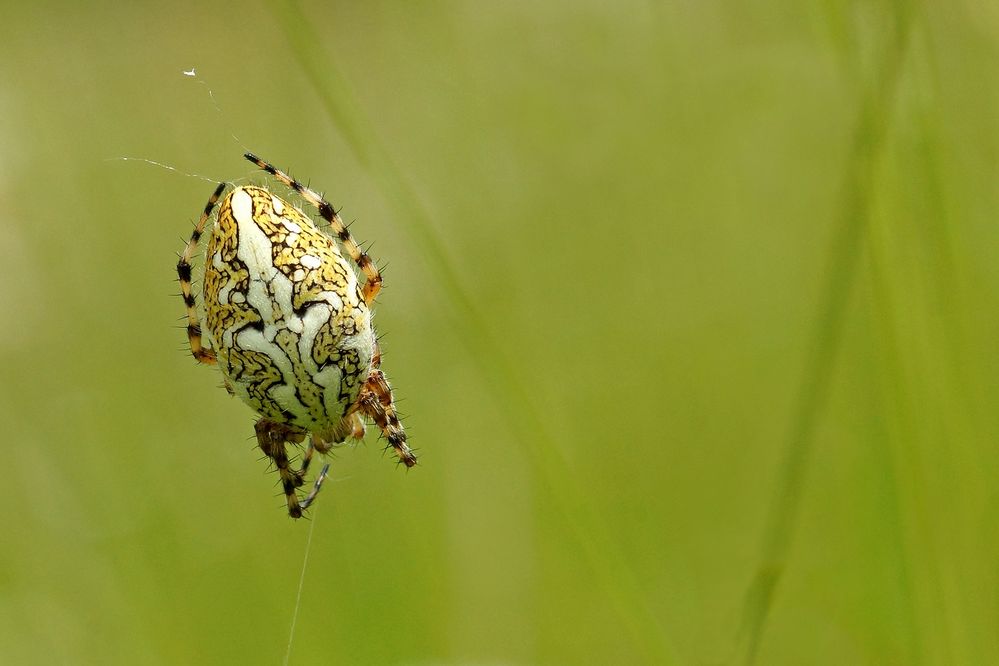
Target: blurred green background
{"x": 691, "y": 307}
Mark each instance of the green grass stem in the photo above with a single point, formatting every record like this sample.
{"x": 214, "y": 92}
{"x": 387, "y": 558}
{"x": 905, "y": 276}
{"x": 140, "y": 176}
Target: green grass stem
{"x": 840, "y": 278}
{"x": 608, "y": 564}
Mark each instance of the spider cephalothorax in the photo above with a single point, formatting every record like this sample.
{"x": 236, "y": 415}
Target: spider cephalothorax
{"x": 290, "y": 325}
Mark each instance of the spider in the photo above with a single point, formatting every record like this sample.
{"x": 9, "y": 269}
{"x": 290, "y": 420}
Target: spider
{"x": 290, "y": 326}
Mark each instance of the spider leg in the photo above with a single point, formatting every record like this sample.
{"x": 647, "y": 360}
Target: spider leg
{"x": 310, "y": 498}
{"x": 356, "y": 426}
{"x": 373, "y": 278}
{"x": 201, "y": 353}
{"x": 271, "y": 437}
{"x": 375, "y": 401}
{"x": 316, "y": 443}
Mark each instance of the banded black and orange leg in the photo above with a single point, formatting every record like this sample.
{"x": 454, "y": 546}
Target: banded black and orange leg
{"x": 376, "y": 402}
{"x": 373, "y": 278}
{"x": 201, "y": 353}
{"x": 272, "y": 437}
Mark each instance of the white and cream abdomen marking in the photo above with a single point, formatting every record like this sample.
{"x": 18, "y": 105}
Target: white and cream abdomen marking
{"x": 285, "y": 312}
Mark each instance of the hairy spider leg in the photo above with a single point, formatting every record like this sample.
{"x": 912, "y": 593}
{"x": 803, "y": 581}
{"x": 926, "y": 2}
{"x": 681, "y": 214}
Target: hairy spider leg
{"x": 376, "y": 402}
{"x": 201, "y": 353}
{"x": 271, "y": 437}
{"x": 373, "y": 278}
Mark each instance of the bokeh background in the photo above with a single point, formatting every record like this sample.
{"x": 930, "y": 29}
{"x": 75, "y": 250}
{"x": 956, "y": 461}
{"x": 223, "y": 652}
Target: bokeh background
{"x": 691, "y": 306}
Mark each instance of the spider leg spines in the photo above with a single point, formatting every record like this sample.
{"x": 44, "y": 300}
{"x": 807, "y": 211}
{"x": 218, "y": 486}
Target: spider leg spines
{"x": 271, "y": 437}
{"x": 201, "y": 353}
{"x": 373, "y": 278}
{"x": 375, "y": 402}
{"x": 260, "y": 341}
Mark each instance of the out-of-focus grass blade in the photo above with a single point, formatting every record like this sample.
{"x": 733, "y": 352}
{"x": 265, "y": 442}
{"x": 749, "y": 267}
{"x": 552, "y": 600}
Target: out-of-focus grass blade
{"x": 608, "y": 564}
{"x": 840, "y": 275}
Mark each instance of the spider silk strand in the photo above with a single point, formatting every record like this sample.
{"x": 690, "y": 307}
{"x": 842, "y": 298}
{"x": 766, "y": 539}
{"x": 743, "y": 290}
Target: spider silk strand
{"x": 301, "y": 584}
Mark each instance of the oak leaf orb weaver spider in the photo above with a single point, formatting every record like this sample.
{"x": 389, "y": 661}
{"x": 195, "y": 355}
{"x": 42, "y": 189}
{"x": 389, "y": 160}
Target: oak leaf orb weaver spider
{"x": 290, "y": 325}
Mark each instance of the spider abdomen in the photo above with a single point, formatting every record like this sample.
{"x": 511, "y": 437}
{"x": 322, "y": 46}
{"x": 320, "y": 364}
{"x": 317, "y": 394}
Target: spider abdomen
{"x": 285, "y": 312}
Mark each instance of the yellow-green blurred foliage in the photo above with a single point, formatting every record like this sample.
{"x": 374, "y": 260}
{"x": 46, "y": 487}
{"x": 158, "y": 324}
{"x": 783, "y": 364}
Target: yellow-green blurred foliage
{"x": 691, "y": 306}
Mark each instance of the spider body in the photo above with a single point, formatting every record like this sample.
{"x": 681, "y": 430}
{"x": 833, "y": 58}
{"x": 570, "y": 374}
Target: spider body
{"x": 290, "y": 325}
{"x": 293, "y": 334}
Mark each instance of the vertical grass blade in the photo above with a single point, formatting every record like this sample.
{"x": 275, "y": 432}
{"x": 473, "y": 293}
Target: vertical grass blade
{"x": 840, "y": 277}
{"x": 611, "y": 570}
